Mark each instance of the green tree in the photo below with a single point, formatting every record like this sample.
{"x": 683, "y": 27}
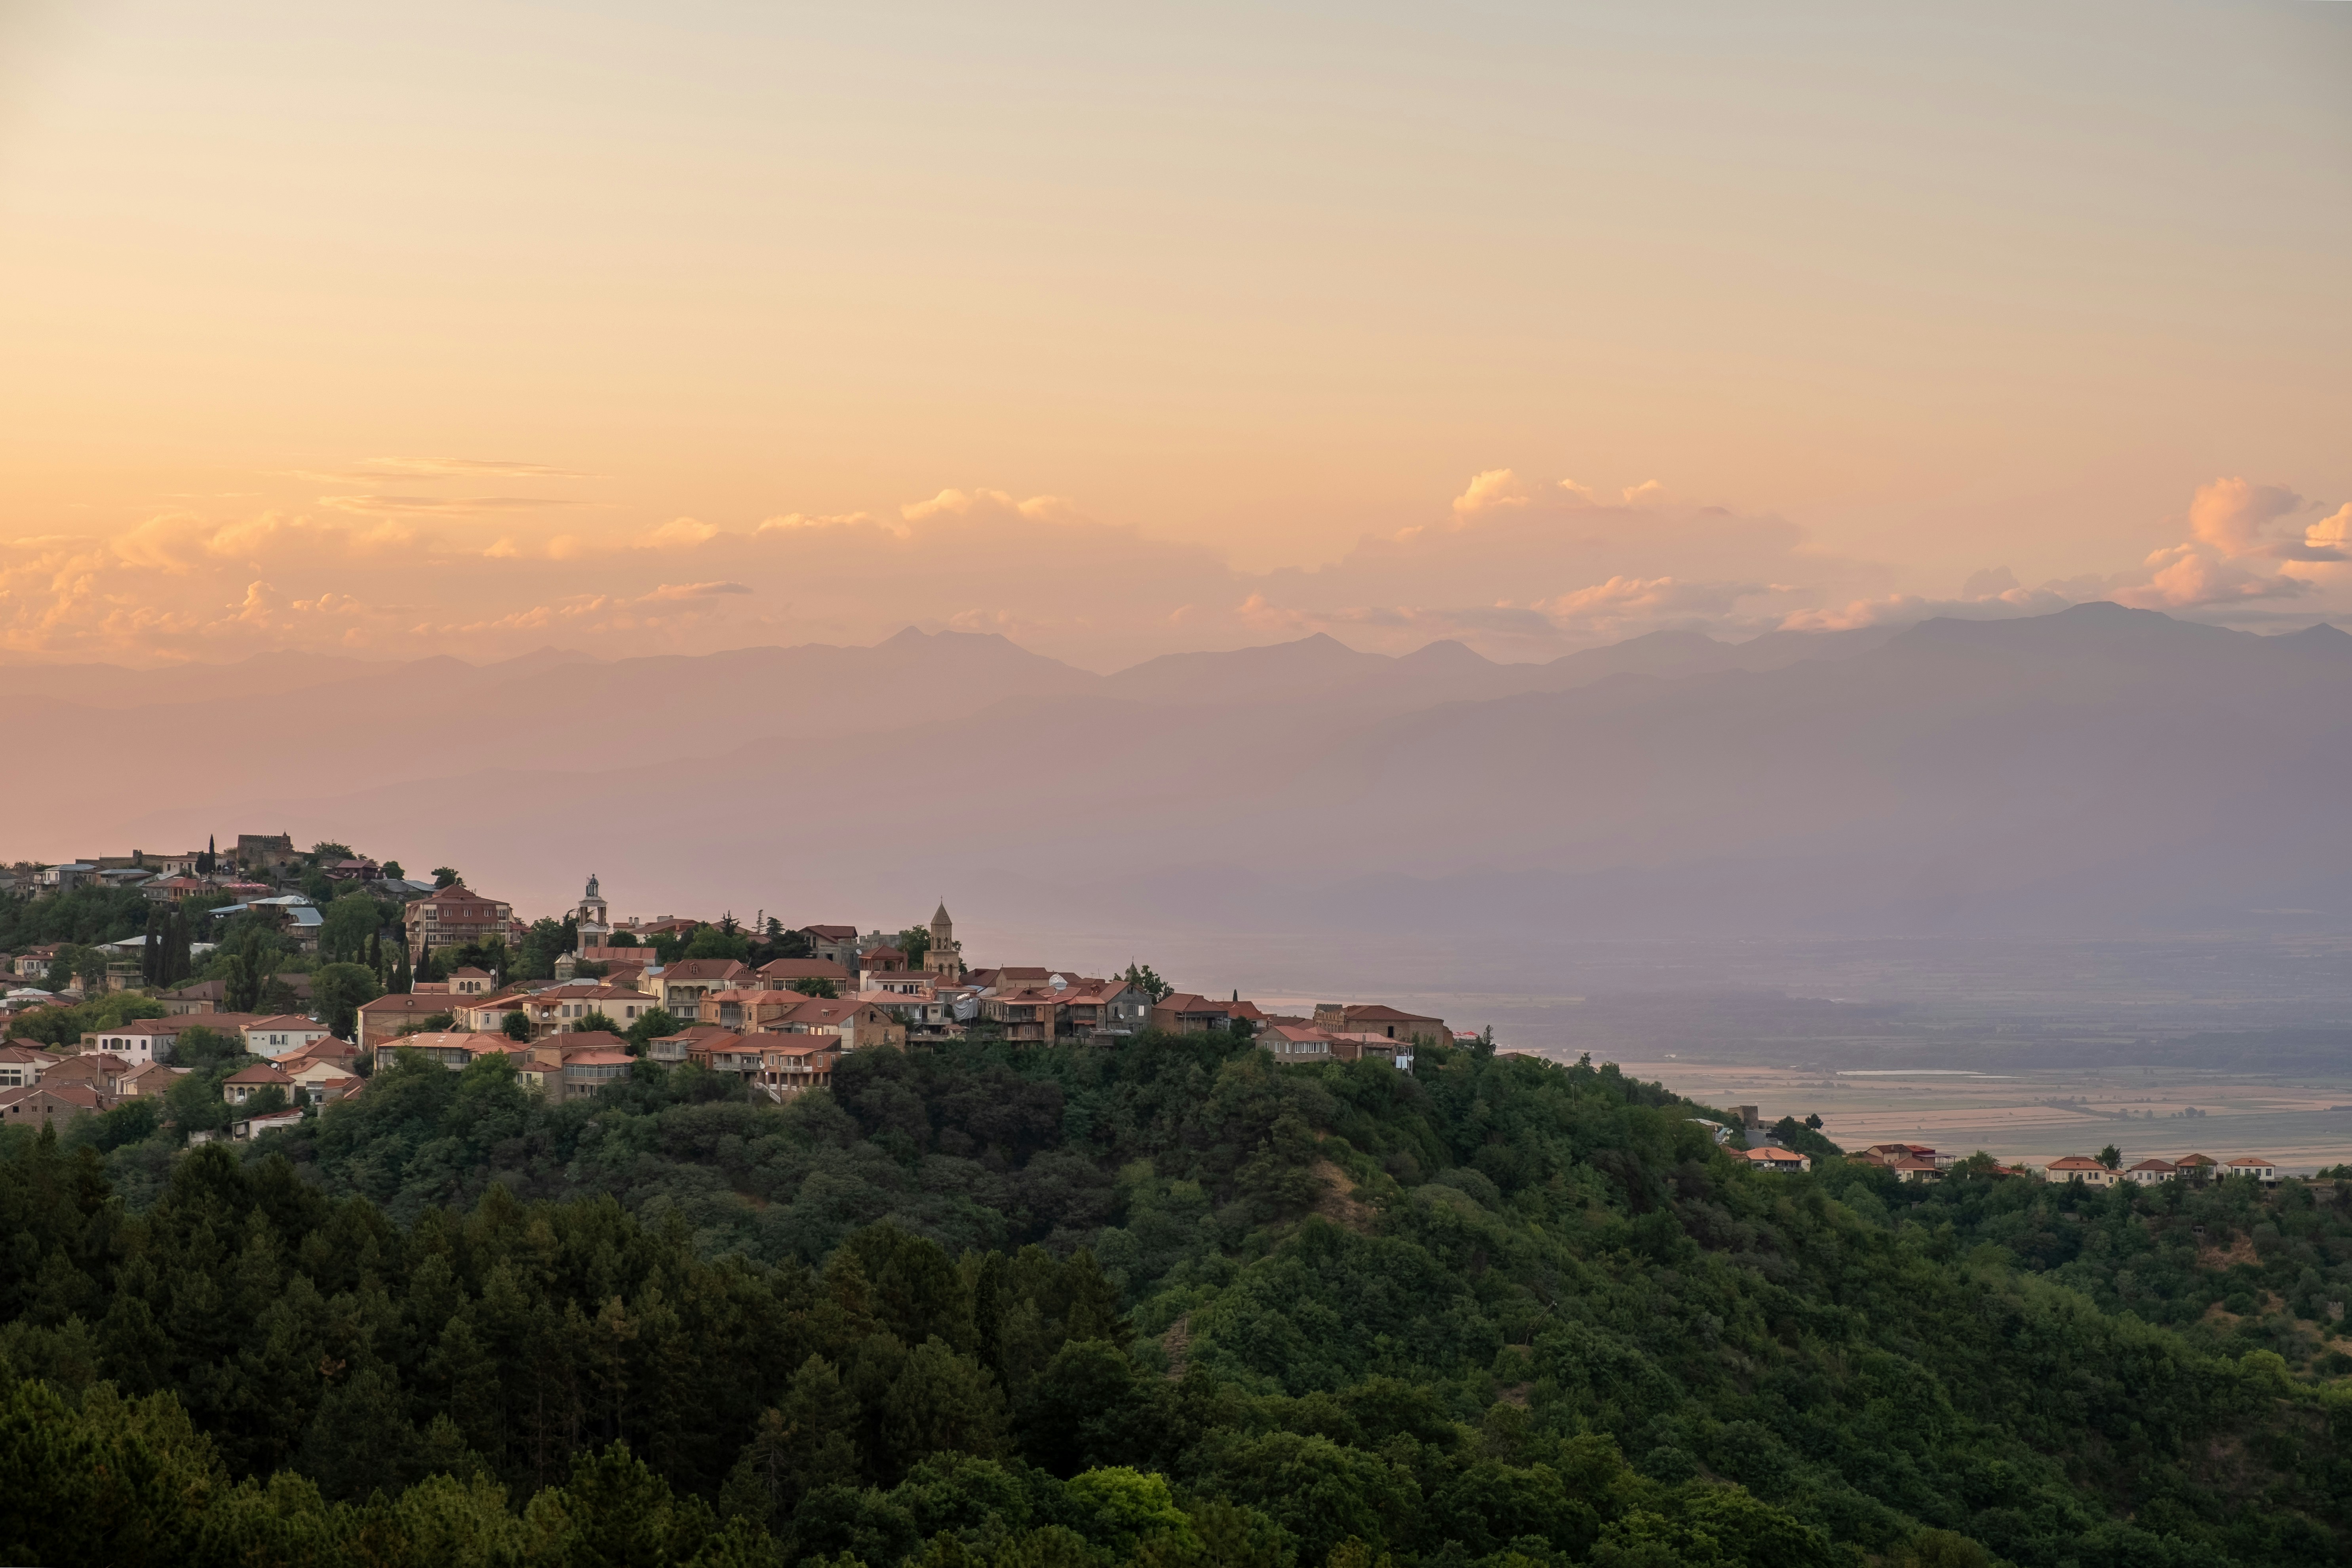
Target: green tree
{"x": 517, "y": 1026}
{"x": 710, "y": 942}
{"x": 2111, "y": 1157}
{"x": 817, "y": 985}
{"x": 446, "y": 877}
{"x": 653, "y": 1023}
{"x": 1141, "y": 977}
{"x": 340, "y": 990}
{"x": 347, "y": 924}
{"x": 595, "y": 1023}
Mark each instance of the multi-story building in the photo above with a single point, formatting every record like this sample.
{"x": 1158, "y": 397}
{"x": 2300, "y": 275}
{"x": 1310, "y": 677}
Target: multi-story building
{"x": 455, "y": 916}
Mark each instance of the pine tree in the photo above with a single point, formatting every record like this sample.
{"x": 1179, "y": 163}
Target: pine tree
{"x": 375, "y": 953}
{"x": 401, "y": 980}
{"x": 210, "y": 857}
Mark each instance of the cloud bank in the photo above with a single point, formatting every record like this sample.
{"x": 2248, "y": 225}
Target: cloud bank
{"x": 1518, "y": 568}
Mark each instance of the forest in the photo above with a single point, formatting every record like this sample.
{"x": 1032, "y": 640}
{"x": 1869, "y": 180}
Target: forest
{"x": 1169, "y": 1304}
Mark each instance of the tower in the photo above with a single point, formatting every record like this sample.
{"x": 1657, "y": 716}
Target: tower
{"x": 941, "y": 959}
{"x": 593, "y": 916}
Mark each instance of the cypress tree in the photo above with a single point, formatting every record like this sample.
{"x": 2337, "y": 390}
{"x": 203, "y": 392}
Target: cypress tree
{"x": 376, "y": 954}
{"x": 400, "y": 977}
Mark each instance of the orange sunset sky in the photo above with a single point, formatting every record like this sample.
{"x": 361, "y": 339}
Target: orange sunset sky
{"x": 467, "y": 329}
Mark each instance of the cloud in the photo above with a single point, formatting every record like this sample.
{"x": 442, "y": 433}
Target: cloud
{"x": 2185, "y": 578}
{"x": 2231, "y": 514}
{"x": 1518, "y": 567}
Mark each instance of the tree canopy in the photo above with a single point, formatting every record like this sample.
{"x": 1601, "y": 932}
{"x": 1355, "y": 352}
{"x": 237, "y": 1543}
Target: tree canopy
{"x": 1167, "y": 1304}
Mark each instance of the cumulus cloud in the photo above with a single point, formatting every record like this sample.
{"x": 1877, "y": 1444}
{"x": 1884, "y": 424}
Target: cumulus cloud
{"x": 1520, "y": 566}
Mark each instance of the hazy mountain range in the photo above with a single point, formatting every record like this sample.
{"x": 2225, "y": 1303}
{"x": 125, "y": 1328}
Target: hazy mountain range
{"x": 2097, "y": 771}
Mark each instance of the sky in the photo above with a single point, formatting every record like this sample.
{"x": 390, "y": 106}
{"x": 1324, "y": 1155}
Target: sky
{"x": 470, "y": 329}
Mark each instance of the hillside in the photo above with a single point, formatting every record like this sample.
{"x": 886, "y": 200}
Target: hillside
{"x": 1165, "y": 1304}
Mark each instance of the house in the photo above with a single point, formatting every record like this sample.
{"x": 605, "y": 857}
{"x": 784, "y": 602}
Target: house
{"x": 679, "y": 1048}
{"x": 2149, "y": 1172}
{"x": 455, "y": 1049}
{"x": 1354, "y": 1048}
{"x": 33, "y": 963}
{"x": 790, "y": 1067}
{"x": 273, "y": 1121}
{"x": 172, "y": 890}
{"x": 859, "y": 1025}
{"x": 150, "y": 1081}
{"x": 381, "y": 1020}
{"x": 140, "y": 1041}
{"x": 1375, "y": 1018}
{"x": 488, "y": 1016}
{"x": 21, "y": 1065}
{"x": 2080, "y": 1168}
{"x": 680, "y": 986}
{"x": 881, "y": 961}
{"x": 723, "y": 1051}
{"x": 102, "y": 1070}
{"x": 586, "y": 1072}
{"x": 2253, "y": 1165}
{"x": 287, "y": 1032}
{"x": 317, "y": 1082}
{"x": 744, "y": 1010}
{"x": 196, "y": 997}
{"x": 1182, "y": 1012}
{"x": 835, "y": 945}
{"x": 1100, "y": 1010}
{"x": 1290, "y": 1043}
{"x": 561, "y": 1007}
{"x": 471, "y": 982}
{"x": 2199, "y": 1166}
{"x": 1028, "y": 1016}
{"x": 36, "y": 1103}
{"x": 245, "y": 1082}
{"x": 454, "y": 916}
{"x": 564, "y": 1046}
{"x": 1911, "y": 1168}
{"x": 539, "y": 1076}
{"x": 1782, "y": 1161}
{"x": 779, "y": 975}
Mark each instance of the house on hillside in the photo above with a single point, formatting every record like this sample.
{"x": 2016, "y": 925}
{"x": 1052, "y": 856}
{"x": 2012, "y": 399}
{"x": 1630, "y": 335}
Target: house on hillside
{"x": 2148, "y": 1172}
{"x": 1376, "y": 1018}
{"x": 781, "y": 974}
{"x": 275, "y": 1037}
{"x": 2082, "y": 1168}
{"x": 2199, "y": 1166}
{"x": 245, "y": 1082}
{"x": 196, "y": 997}
{"x": 381, "y": 1020}
{"x": 743, "y": 1010}
{"x": 1183, "y": 1012}
{"x": 1786, "y": 1160}
{"x": 835, "y": 945}
{"x": 2253, "y": 1165}
{"x": 35, "y": 1104}
{"x": 21, "y": 1065}
{"x": 681, "y": 986}
{"x": 101, "y": 1071}
{"x": 454, "y": 916}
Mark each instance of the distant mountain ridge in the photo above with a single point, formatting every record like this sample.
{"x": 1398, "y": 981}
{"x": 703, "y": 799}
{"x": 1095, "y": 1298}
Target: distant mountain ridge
{"x": 2099, "y": 769}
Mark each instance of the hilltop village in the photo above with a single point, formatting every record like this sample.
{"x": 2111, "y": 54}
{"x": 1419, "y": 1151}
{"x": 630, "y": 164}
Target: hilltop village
{"x": 299, "y": 971}
{"x": 278, "y": 977}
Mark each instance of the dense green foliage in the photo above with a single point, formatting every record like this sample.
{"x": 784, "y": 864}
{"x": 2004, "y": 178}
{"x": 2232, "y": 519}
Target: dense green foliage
{"x": 1168, "y": 1304}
